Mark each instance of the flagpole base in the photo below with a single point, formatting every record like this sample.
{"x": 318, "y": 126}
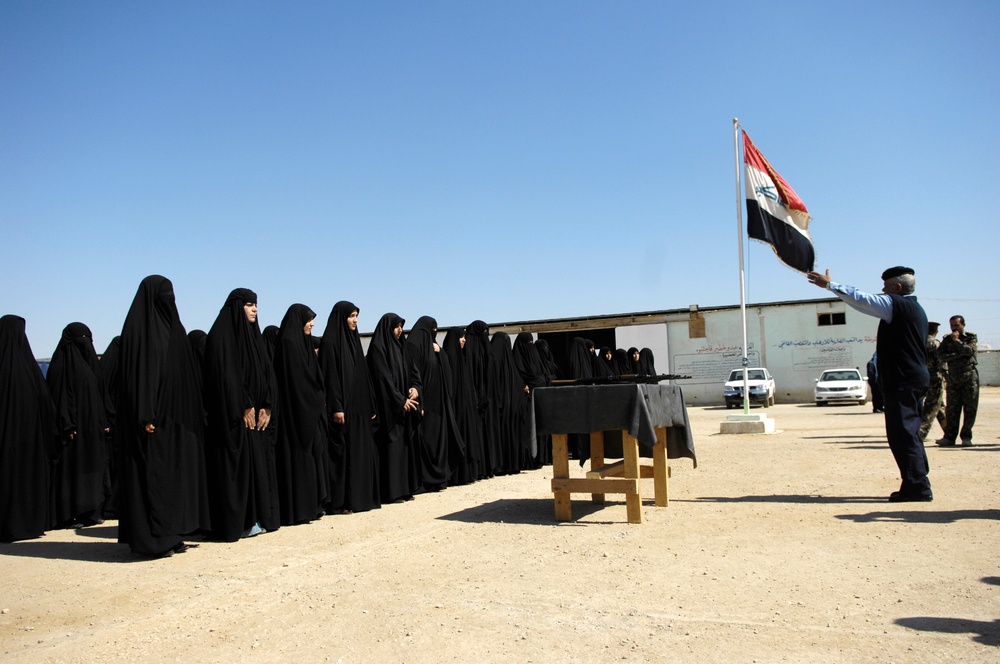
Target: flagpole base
{"x": 756, "y": 423}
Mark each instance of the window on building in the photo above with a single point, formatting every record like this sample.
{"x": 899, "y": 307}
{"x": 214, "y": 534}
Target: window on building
{"x": 833, "y": 319}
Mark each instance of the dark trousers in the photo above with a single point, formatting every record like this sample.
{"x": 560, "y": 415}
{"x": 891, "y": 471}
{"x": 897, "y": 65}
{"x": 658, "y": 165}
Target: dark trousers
{"x": 902, "y": 428}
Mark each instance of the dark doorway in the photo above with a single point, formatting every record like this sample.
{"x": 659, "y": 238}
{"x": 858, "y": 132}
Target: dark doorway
{"x": 559, "y": 343}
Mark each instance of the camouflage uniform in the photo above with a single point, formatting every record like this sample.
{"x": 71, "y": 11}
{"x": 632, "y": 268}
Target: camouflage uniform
{"x": 934, "y": 401}
{"x": 963, "y": 384}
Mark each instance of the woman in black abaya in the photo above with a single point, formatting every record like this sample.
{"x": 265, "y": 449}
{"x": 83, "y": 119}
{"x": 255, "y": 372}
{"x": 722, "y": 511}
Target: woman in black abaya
{"x": 604, "y": 364}
{"x": 160, "y": 431}
{"x": 510, "y": 394}
{"x": 28, "y": 436}
{"x": 548, "y": 359}
{"x": 646, "y": 364}
{"x": 438, "y": 442}
{"x": 350, "y": 404}
{"x": 270, "y": 337}
{"x": 468, "y": 467}
{"x": 397, "y": 397}
{"x": 112, "y": 380}
{"x": 240, "y": 393}
{"x": 581, "y": 367}
{"x": 81, "y": 479}
{"x": 581, "y": 359}
{"x": 534, "y": 374}
{"x": 478, "y": 357}
{"x": 302, "y": 429}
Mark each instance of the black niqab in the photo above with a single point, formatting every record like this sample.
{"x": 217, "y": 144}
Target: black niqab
{"x": 163, "y": 491}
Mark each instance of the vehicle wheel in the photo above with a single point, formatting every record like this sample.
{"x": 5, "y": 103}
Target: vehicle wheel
{"x": 820, "y": 403}
{"x": 729, "y": 406}
{"x": 862, "y": 402}
{"x": 771, "y": 400}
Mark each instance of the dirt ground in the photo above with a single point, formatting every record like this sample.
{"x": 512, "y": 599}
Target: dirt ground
{"x": 777, "y": 548}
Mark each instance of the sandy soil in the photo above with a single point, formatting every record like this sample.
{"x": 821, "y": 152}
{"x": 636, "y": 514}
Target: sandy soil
{"x": 777, "y": 548}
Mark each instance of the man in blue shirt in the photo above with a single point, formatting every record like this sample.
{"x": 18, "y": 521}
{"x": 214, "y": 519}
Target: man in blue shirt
{"x": 902, "y": 370}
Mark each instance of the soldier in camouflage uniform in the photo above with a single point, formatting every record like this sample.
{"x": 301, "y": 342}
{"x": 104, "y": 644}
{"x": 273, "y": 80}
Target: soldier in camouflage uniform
{"x": 958, "y": 349}
{"x": 934, "y": 401}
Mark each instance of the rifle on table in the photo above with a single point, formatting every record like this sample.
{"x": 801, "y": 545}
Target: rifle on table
{"x": 618, "y": 380}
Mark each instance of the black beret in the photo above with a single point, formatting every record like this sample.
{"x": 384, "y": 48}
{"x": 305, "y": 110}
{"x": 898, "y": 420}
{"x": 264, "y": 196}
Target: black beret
{"x": 897, "y": 271}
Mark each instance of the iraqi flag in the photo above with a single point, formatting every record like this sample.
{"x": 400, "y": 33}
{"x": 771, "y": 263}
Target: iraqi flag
{"x": 775, "y": 213}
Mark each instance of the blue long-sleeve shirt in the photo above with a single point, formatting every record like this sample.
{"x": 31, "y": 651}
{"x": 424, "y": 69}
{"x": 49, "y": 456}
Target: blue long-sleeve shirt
{"x": 879, "y": 306}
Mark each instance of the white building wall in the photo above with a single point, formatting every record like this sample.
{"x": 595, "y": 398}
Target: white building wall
{"x": 785, "y": 338}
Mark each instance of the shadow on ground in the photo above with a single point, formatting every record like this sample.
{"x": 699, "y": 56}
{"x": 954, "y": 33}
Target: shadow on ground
{"x": 531, "y": 511}
{"x": 791, "y": 498}
{"x": 987, "y": 633}
{"x": 919, "y": 516}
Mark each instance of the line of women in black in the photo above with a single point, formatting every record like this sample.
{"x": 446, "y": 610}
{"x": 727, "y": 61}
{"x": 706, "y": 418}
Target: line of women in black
{"x": 237, "y": 432}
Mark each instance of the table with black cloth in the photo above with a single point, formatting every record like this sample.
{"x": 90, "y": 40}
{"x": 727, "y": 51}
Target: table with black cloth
{"x": 653, "y": 415}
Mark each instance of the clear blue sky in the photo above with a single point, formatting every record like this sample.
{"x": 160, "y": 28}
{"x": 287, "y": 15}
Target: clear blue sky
{"x": 494, "y": 160}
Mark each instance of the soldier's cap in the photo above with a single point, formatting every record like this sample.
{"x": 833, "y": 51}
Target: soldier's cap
{"x": 897, "y": 271}
{"x": 933, "y": 323}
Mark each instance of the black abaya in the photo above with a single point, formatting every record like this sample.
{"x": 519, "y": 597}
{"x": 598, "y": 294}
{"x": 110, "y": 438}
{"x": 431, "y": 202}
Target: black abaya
{"x": 28, "y": 436}
{"x": 353, "y": 474}
{"x": 438, "y": 439}
{"x": 534, "y": 374}
{"x": 81, "y": 480}
{"x": 646, "y": 365}
{"x": 511, "y": 400}
{"x": 239, "y": 379}
{"x": 468, "y": 468}
{"x": 302, "y": 420}
{"x": 477, "y": 355}
{"x": 160, "y": 430}
{"x": 392, "y": 380}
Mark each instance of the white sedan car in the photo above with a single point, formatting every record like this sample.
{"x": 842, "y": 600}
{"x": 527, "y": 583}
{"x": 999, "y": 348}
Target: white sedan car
{"x": 841, "y": 385}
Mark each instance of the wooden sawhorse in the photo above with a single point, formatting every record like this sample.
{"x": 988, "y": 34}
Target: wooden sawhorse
{"x": 621, "y": 477}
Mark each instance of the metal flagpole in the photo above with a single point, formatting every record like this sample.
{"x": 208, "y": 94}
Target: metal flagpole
{"x": 739, "y": 238}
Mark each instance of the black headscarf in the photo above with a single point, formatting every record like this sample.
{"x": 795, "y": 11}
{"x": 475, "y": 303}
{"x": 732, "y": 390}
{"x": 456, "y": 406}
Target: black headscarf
{"x": 646, "y": 367}
{"x": 548, "y": 359}
{"x": 28, "y": 436}
{"x": 581, "y": 363}
{"x": 603, "y": 367}
{"x": 340, "y": 356}
{"x": 633, "y": 360}
{"x": 529, "y": 362}
{"x": 270, "y": 337}
{"x": 239, "y": 374}
{"x": 621, "y": 363}
{"x": 385, "y": 365}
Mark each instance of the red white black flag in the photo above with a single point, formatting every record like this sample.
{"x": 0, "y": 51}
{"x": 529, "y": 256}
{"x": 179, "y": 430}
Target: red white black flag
{"x": 775, "y": 213}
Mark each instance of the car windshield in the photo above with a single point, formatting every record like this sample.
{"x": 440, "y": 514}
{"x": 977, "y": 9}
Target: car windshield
{"x": 840, "y": 375}
{"x": 752, "y": 374}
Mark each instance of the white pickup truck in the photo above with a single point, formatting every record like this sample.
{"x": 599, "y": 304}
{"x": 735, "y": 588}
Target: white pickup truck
{"x": 760, "y": 385}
